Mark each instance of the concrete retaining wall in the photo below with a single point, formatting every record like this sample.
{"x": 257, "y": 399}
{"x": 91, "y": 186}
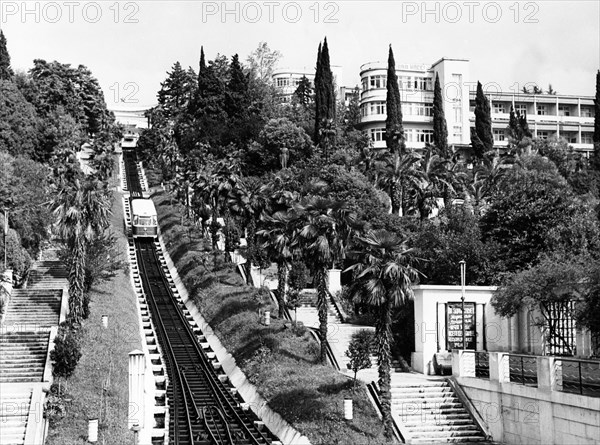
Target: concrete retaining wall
{"x": 518, "y": 414}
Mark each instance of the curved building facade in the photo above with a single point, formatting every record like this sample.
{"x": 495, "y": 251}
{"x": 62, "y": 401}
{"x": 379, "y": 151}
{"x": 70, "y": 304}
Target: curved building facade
{"x": 416, "y": 93}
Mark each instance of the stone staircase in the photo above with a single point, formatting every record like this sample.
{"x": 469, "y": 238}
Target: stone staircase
{"x": 23, "y": 355}
{"x": 429, "y": 412}
{"x": 307, "y": 312}
{"x": 14, "y": 413}
{"x": 33, "y": 309}
{"x": 48, "y": 273}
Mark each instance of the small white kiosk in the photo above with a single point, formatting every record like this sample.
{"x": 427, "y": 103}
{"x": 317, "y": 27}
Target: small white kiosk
{"x": 439, "y": 322}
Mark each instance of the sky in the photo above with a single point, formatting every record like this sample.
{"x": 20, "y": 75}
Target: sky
{"x": 131, "y": 45}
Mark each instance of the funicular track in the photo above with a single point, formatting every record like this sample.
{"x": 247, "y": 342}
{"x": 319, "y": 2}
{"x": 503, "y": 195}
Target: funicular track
{"x": 203, "y": 408}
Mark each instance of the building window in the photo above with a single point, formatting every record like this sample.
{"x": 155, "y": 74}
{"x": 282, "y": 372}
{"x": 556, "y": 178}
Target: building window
{"x": 377, "y": 134}
{"x": 422, "y": 83}
{"x": 587, "y": 112}
{"x": 458, "y": 114}
{"x": 521, "y": 109}
{"x": 542, "y": 110}
{"x": 408, "y": 135}
{"x": 564, "y": 110}
{"x": 378, "y": 81}
{"x": 363, "y": 110}
{"x": 499, "y": 107}
{"x": 422, "y": 109}
{"x": 499, "y": 135}
{"x": 587, "y": 138}
{"x": 424, "y": 136}
{"x": 365, "y": 83}
{"x": 457, "y": 131}
{"x": 417, "y": 109}
{"x": 542, "y": 134}
{"x": 571, "y": 138}
{"x": 405, "y": 83}
{"x": 377, "y": 108}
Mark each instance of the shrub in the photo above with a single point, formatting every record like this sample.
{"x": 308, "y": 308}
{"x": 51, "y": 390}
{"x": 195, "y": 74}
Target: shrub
{"x": 359, "y": 351}
{"x": 67, "y": 351}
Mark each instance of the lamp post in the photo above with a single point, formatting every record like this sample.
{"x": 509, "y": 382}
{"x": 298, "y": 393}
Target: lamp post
{"x": 463, "y": 268}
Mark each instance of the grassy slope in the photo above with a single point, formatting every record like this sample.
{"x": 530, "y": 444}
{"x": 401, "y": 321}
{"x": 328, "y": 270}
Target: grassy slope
{"x": 279, "y": 359}
{"x": 104, "y": 359}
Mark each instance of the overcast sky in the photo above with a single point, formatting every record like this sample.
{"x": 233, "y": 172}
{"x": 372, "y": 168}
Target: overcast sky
{"x": 129, "y": 46}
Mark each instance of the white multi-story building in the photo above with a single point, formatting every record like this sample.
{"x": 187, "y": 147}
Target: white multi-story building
{"x": 416, "y": 94}
{"x": 286, "y": 80}
{"x": 571, "y": 117}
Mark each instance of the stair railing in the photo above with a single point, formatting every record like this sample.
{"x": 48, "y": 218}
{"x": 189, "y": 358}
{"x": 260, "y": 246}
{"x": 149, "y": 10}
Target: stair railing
{"x": 466, "y": 402}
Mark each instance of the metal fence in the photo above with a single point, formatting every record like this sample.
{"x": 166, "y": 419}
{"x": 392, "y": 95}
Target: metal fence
{"x": 578, "y": 376}
{"x": 482, "y": 364}
{"x": 523, "y": 369}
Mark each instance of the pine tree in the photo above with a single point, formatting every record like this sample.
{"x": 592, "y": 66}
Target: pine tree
{"x": 440, "y": 129}
{"x": 303, "y": 92}
{"x": 6, "y": 71}
{"x": 482, "y": 137}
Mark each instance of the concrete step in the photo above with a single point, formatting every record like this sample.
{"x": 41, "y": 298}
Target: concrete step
{"x": 425, "y": 429}
{"x": 423, "y": 401}
{"x": 436, "y": 440}
{"x": 435, "y": 418}
{"x": 448, "y": 423}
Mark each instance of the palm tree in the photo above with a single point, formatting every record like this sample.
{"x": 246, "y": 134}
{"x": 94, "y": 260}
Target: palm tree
{"x": 248, "y": 201}
{"x": 383, "y": 277}
{"x": 82, "y": 212}
{"x": 215, "y": 185}
{"x": 398, "y": 173}
{"x": 485, "y": 180}
{"x": 278, "y": 240}
{"x": 323, "y": 231}
{"x": 437, "y": 180}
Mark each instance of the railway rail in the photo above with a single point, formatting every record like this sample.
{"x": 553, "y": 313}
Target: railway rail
{"x": 203, "y": 407}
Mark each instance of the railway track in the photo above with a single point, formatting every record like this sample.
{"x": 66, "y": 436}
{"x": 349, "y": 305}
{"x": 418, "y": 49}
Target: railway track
{"x": 203, "y": 407}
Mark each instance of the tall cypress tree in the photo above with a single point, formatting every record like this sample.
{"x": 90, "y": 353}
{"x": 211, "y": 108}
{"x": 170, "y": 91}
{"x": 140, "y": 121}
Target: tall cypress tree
{"x": 324, "y": 98}
{"x": 318, "y": 83}
{"x": 6, "y": 71}
{"x": 202, "y": 65}
{"x": 440, "y": 128}
{"x": 482, "y": 137}
{"x": 394, "y": 131}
